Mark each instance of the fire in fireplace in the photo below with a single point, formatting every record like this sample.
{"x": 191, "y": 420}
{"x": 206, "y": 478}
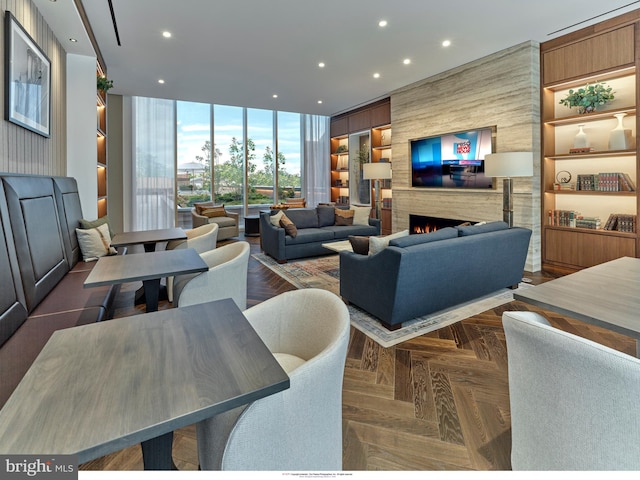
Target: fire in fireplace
{"x": 426, "y": 224}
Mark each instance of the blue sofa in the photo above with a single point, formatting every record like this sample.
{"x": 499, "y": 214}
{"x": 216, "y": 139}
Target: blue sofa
{"x": 315, "y": 226}
{"x": 421, "y": 274}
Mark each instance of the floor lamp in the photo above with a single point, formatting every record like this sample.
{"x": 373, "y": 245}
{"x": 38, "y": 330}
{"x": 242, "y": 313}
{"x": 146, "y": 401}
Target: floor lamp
{"x": 508, "y": 165}
{"x": 376, "y": 171}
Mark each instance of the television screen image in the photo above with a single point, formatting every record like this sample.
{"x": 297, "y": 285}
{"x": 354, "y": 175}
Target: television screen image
{"x": 454, "y": 160}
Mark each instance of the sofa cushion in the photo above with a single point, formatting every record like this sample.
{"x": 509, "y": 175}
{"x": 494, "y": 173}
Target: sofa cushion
{"x": 377, "y": 244}
{"x": 309, "y": 235}
{"x": 342, "y": 232}
{"x": 361, "y": 215}
{"x": 212, "y": 212}
{"x": 303, "y": 217}
{"x": 326, "y": 216}
{"x": 95, "y": 242}
{"x": 275, "y": 218}
{"x": 289, "y": 226}
{"x": 223, "y": 221}
{"x": 359, "y": 244}
{"x": 87, "y": 224}
{"x": 343, "y": 217}
{"x": 483, "y": 228}
{"x": 410, "y": 240}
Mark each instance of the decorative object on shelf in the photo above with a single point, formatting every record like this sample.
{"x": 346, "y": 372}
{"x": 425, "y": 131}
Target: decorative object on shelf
{"x": 28, "y": 79}
{"x": 508, "y": 164}
{"x": 581, "y": 140}
{"x": 563, "y": 176}
{"x": 589, "y": 97}
{"x": 103, "y": 83}
{"x": 377, "y": 171}
{"x": 385, "y": 138}
{"x": 343, "y": 163}
{"x": 620, "y": 138}
{"x": 341, "y": 149}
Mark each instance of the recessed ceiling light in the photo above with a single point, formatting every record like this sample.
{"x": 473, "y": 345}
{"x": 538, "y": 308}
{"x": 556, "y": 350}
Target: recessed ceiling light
{"x": 275, "y": 95}
{"x": 321, "y": 65}
{"x": 446, "y": 43}
{"x": 160, "y": 81}
{"x": 319, "y": 101}
{"x": 382, "y": 23}
{"x": 73, "y": 40}
{"x": 406, "y": 61}
{"x": 166, "y": 34}
{"x": 376, "y": 75}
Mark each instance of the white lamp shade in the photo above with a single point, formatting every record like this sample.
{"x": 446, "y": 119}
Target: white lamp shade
{"x": 376, "y": 170}
{"x": 508, "y": 164}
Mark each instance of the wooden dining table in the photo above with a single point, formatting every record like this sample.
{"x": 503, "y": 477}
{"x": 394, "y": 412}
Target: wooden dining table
{"x": 147, "y": 267}
{"x": 96, "y": 389}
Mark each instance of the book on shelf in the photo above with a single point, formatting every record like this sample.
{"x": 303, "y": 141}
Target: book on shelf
{"x": 564, "y": 186}
{"x": 571, "y": 219}
{"x": 605, "y": 182}
{"x": 621, "y": 222}
{"x": 581, "y": 150}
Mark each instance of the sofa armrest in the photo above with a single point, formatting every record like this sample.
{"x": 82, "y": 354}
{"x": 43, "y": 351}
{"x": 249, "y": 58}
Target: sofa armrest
{"x": 198, "y": 220}
{"x": 374, "y": 222}
{"x": 272, "y": 238}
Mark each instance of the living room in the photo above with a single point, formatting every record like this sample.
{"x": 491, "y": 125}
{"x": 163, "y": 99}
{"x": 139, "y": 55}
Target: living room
{"x": 500, "y": 90}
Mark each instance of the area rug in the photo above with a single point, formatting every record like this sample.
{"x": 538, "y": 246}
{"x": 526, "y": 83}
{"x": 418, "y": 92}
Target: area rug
{"x": 324, "y": 272}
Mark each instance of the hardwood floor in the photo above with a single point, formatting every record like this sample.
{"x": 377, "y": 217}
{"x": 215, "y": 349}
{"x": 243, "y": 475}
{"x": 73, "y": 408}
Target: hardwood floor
{"x": 437, "y": 402}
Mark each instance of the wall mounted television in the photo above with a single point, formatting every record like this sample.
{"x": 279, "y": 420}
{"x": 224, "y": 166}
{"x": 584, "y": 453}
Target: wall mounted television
{"x": 452, "y": 160}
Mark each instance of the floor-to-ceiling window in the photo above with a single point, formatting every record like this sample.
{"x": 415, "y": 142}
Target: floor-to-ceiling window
{"x": 243, "y": 158}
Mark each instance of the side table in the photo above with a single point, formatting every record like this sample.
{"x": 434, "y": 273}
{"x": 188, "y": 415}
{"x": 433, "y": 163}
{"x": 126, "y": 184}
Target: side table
{"x": 252, "y": 226}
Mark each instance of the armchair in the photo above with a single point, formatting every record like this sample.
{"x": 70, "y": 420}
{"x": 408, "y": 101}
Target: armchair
{"x": 298, "y": 429}
{"x": 201, "y": 239}
{"x": 228, "y": 222}
{"x": 574, "y": 402}
{"x": 226, "y": 277}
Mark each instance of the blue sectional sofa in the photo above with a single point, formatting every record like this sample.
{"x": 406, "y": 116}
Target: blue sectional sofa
{"x": 41, "y": 286}
{"x": 421, "y": 274}
{"x": 315, "y": 226}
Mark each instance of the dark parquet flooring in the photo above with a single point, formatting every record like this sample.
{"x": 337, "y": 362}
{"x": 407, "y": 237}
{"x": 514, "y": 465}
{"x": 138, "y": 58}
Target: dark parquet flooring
{"x": 437, "y": 402}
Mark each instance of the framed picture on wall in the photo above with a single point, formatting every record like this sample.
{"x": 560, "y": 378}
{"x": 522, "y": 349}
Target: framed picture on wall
{"x": 27, "y": 79}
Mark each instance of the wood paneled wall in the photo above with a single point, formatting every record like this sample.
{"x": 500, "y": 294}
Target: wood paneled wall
{"x": 502, "y": 90}
{"x": 21, "y": 150}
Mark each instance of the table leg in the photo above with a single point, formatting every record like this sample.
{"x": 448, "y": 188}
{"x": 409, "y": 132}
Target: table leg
{"x": 151, "y": 294}
{"x": 157, "y": 453}
{"x": 150, "y": 247}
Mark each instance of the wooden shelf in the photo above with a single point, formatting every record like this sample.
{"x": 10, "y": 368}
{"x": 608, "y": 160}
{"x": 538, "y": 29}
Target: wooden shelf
{"x": 583, "y": 156}
{"x": 590, "y": 117}
{"x": 591, "y": 192}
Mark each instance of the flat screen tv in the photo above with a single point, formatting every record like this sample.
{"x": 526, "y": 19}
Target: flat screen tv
{"x": 452, "y": 160}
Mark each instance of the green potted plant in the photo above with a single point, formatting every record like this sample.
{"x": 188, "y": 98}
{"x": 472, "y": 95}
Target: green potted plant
{"x": 589, "y": 97}
{"x": 103, "y": 83}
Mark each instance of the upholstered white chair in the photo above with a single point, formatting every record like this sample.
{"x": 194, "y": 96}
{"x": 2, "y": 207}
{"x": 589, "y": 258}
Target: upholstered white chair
{"x": 298, "y": 429}
{"x": 226, "y": 277}
{"x": 574, "y": 402}
{"x": 201, "y": 239}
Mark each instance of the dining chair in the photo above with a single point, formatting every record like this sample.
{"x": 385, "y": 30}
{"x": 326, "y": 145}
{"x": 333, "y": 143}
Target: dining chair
{"x": 574, "y": 402}
{"x": 226, "y": 277}
{"x": 298, "y": 429}
{"x": 201, "y": 239}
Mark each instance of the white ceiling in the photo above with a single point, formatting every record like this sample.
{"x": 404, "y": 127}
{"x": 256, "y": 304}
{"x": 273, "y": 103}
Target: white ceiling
{"x": 241, "y": 52}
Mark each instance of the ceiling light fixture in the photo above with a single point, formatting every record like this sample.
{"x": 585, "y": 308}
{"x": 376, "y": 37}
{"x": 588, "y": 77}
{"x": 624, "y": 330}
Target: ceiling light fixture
{"x": 166, "y": 34}
{"x": 319, "y": 101}
{"x": 406, "y": 61}
{"x": 321, "y": 65}
{"x": 73, "y": 40}
{"x": 275, "y": 95}
{"x": 446, "y": 43}
{"x": 382, "y": 23}
{"x": 376, "y": 75}
{"x": 160, "y": 81}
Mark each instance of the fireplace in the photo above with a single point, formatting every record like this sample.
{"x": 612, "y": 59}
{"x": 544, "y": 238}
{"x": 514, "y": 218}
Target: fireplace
{"x": 426, "y": 224}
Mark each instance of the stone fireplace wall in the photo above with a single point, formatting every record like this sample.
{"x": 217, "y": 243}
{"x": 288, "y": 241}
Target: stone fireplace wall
{"x": 501, "y": 89}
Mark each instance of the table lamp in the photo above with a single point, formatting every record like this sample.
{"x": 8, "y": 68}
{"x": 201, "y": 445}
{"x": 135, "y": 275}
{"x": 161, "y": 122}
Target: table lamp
{"x": 508, "y": 165}
{"x": 376, "y": 171}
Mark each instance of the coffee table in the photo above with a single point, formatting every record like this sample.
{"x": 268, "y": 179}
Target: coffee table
{"x": 149, "y": 267}
{"x": 606, "y": 295}
{"x": 99, "y": 388}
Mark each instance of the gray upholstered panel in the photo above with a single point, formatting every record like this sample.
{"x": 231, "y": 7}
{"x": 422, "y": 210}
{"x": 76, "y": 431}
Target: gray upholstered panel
{"x": 37, "y": 236}
{"x": 70, "y": 214}
{"x": 12, "y": 312}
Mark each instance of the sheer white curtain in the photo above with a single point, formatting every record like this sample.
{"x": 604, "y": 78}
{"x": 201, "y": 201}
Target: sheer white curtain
{"x": 153, "y": 171}
{"x": 317, "y": 159}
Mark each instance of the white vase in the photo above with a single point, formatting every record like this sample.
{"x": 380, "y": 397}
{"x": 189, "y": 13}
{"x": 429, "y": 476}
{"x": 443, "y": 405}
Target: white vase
{"x": 581, "y": 140}
{"x": 620, "y": 138}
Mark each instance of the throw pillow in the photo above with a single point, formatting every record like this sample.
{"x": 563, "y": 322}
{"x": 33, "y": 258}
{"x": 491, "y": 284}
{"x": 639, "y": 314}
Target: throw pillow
{"x": 377, "y": 244}
{"x": 201, "y": 205}
{"x": 361, "y": 215}
{"x": 95, "y": 242}
{"x": 344, "y": 217}
{"x": 86, "y": 224}
{"x": 275, "y": 219}
{"x": 212, "y": 212}
{"x": 359, "y": 244}
{"x": 289, "y": 226}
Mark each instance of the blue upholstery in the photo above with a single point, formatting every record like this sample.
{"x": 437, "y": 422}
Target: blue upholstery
{"x": 402, "y": 283}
